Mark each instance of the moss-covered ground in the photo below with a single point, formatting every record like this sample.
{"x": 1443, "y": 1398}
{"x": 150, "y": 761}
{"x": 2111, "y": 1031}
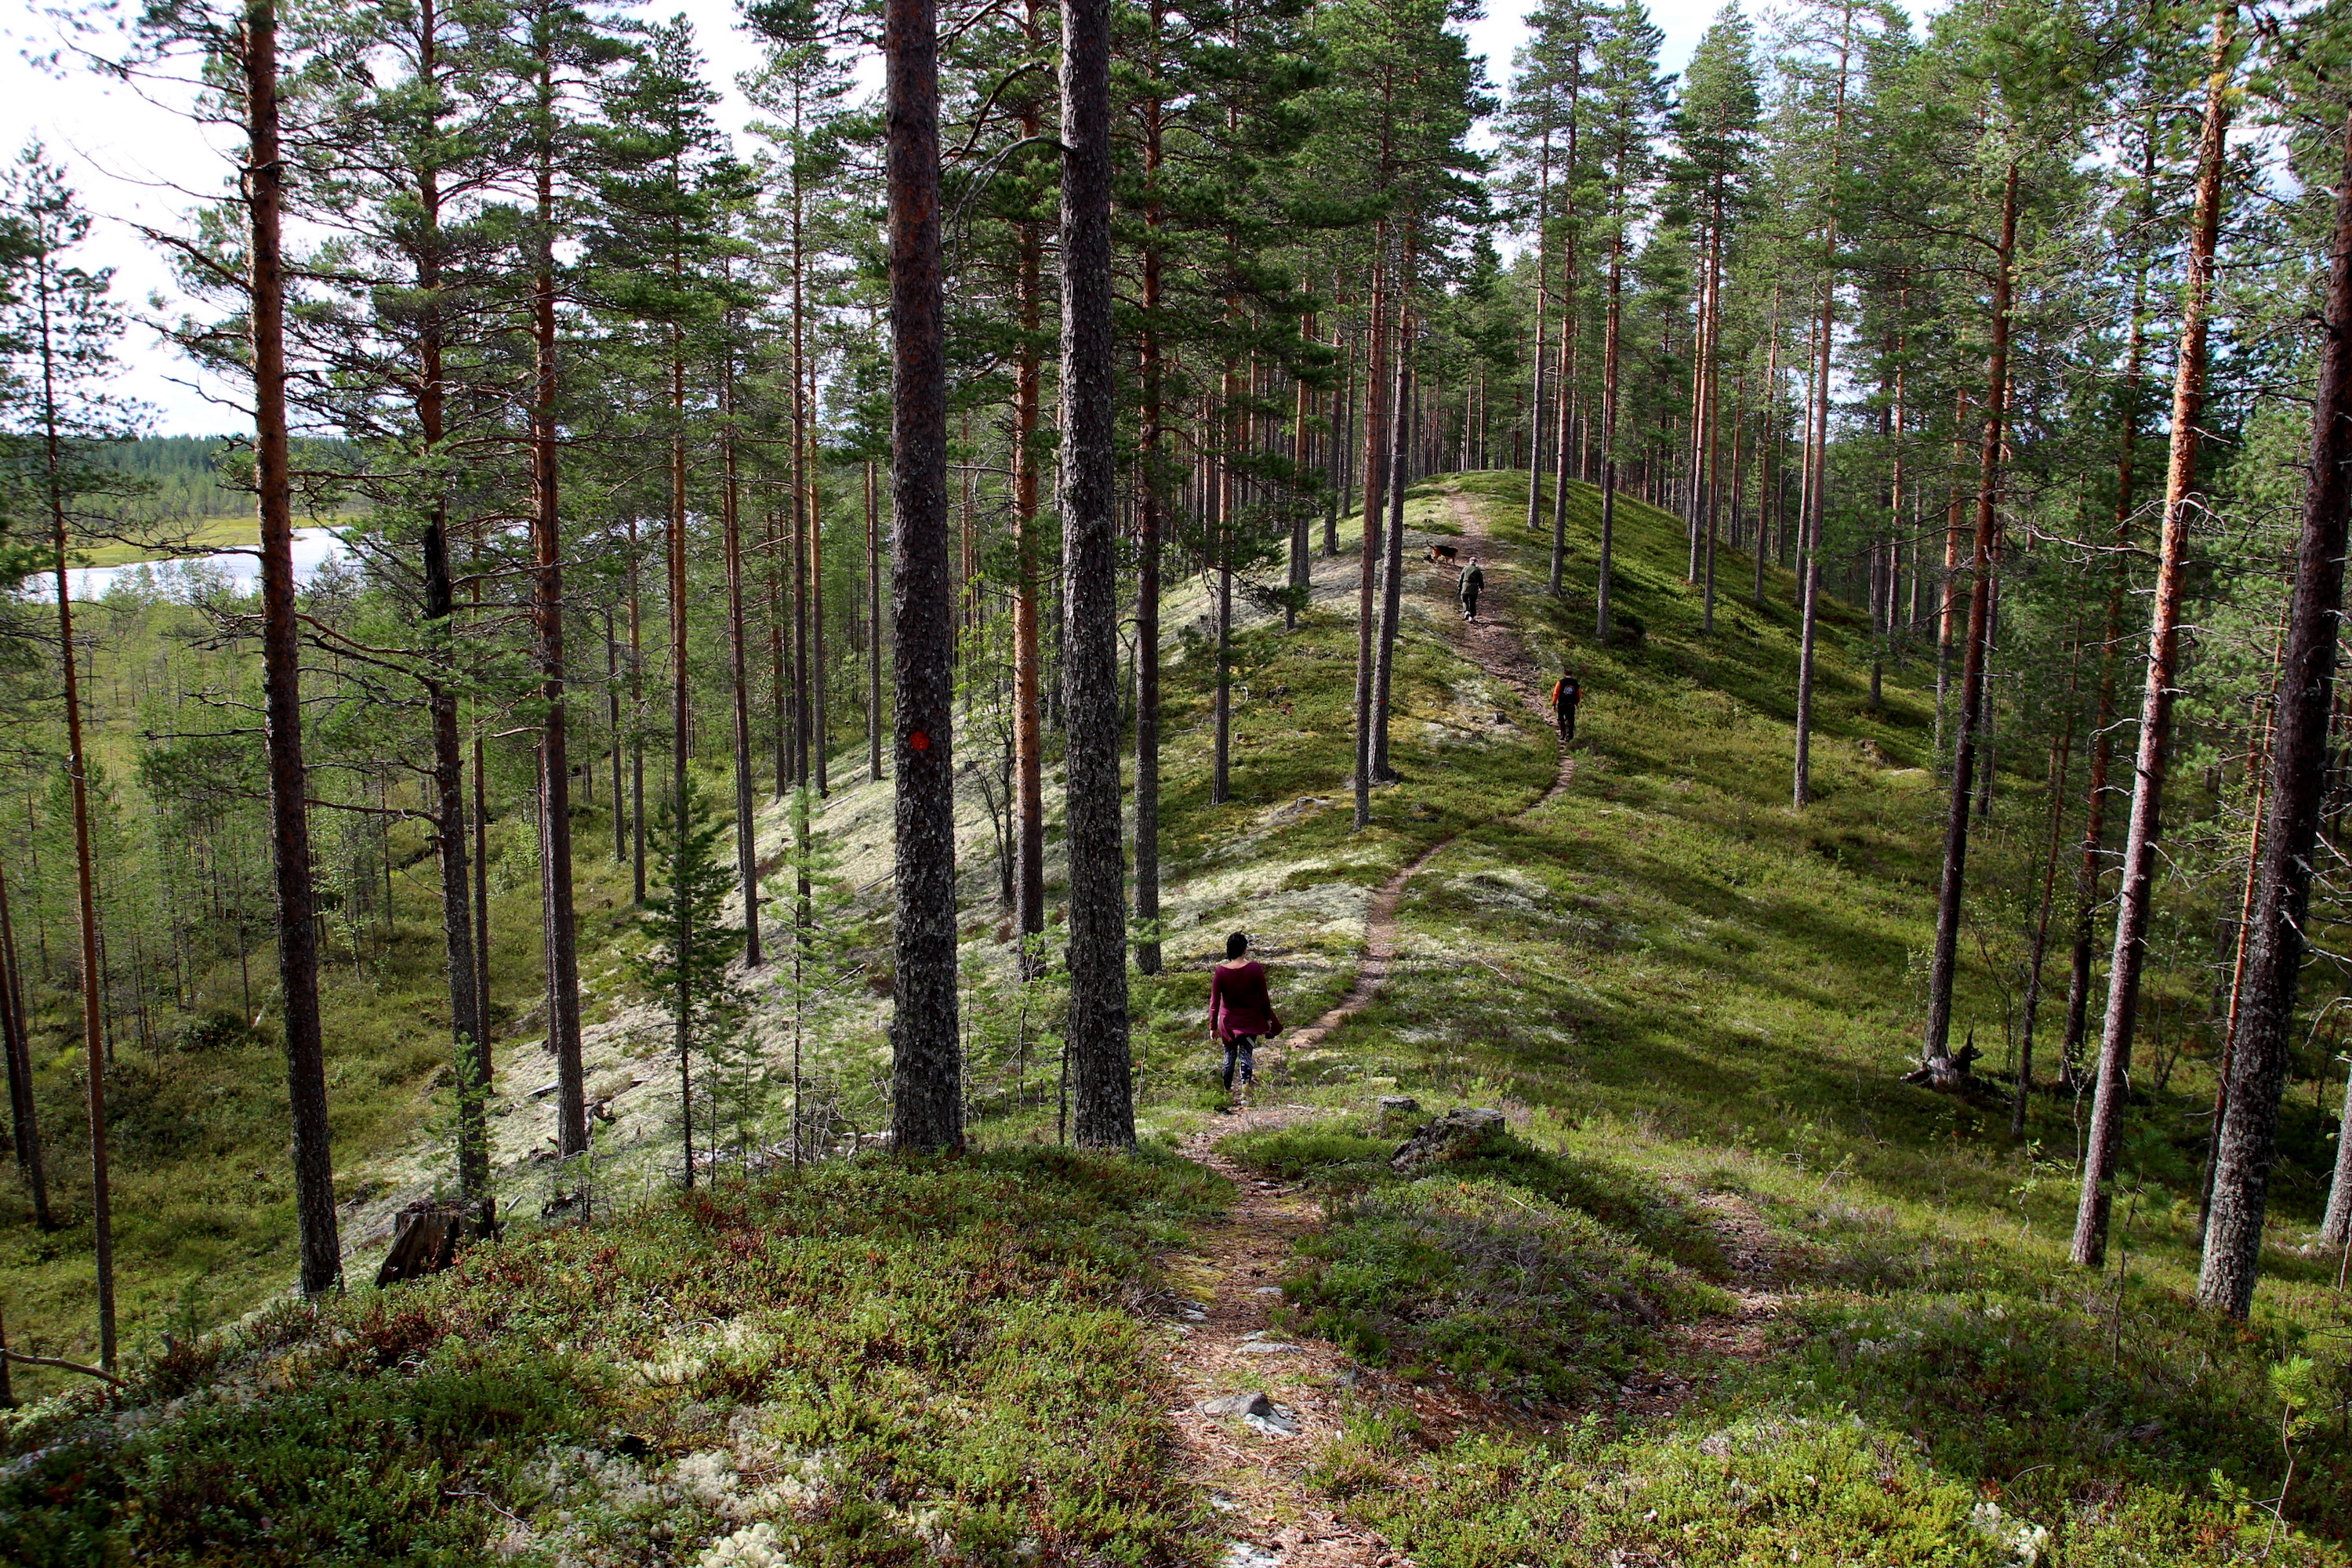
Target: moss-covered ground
{"x": 1730, "y": 1293}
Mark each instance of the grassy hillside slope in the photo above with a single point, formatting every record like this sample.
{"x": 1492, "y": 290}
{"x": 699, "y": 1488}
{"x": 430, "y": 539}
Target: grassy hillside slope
{"x": 1729, "y": 1293}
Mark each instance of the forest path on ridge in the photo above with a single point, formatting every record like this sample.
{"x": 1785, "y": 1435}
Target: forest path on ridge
{"x": 1227, "y": 1280}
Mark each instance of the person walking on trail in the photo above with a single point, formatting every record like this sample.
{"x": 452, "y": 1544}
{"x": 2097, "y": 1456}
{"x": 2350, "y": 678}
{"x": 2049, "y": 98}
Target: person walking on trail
{"x": 1565, "y": 695}
{"x": 1240, "y": 1011}
{"x": 1472, "y": 580}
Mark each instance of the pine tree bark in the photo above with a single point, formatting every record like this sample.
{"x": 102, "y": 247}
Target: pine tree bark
{"x": 1610, "y": 364}
{"x": 1151, "y": 497}
{"x": 1564, "y": 410}
{"x": 1809, "y": 523}
{"x": 1535, "y": 431}
{"x": 2061, "y": 753}
{"x": 1401, "y": 411}
{"x": 1100, "y": 1058}
{"x": 1710, "y": 351}
{"x": 562, "y": 941}
{"x": 738, "y": 660}
{"x": 2136, "y": 893}
{"x": 23, "y": 1119}
{"x": 1936, "y": 1052}
{"x": 1302, "y": 444}
{"x": 94, "y": 1052}
{"x": 873, "y": 632}
{"x": 1375, "y": 457}
{"x": 2088, "y": 873}
{"x": 1028, "y": 661}
{"x": 820, "y": 713}
{"x": 2299, "y": 769}
{"x": 637, "y": 722}
{"x": 1220, "y": 535}
{"x": 281, "y": 657}
{"x": 680, "y": 733}
{"x": 1808, "y": 528}
{"x": 466, "y": 1022}
{"x": 613, "y": 723}
{"x": 927, "y": 1109}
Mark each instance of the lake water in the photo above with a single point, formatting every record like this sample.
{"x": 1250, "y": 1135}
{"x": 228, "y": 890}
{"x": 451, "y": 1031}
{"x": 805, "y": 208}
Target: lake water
{"x": 313, "y": 548}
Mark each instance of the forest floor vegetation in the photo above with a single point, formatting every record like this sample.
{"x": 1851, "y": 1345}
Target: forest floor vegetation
{"x": 1725, "y": 1292}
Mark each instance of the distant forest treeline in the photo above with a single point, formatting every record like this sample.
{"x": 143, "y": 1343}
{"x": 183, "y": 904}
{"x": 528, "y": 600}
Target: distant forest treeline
{"x": 193, "y": 478}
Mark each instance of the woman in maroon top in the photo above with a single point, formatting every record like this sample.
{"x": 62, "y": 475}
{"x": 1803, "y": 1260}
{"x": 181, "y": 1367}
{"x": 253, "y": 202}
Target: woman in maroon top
{"x": 1240, "y": 1011}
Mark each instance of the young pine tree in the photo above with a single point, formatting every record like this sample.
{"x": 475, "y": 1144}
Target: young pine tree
{"x": 691, "y": 944}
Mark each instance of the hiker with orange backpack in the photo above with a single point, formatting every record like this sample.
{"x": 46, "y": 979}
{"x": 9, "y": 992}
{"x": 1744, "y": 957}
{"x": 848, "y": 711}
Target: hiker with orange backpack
{"x": 1565, "y": 695}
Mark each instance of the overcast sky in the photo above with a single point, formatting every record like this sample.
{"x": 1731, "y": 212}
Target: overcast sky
{"x": 138, "y": 162}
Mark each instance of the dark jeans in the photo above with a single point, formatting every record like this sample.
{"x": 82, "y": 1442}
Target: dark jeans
{"x": 1470, "y": 603}
{"x": 1240, "y": 1048}
{"x": 1567, "y": 723}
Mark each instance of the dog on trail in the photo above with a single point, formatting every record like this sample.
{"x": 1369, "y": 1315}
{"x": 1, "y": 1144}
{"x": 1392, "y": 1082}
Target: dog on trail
{"x": 1442, "y": 555}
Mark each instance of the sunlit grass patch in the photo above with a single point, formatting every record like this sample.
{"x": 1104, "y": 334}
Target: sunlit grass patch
{"x": 882, "y": 1361}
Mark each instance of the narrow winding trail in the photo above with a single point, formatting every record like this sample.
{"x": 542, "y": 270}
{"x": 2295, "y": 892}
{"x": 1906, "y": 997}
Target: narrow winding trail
{"x": 1227, "y": 1285}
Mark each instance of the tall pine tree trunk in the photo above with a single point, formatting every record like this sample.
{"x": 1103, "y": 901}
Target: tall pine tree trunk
{"x": 466, "y": 1002}
{"x": 1401, "y": 411}
{"x": 637, "y": 721}
{"x": 2299, "y": 770}
{"x": 738, "y": 660}
{"x": 1149, "y": 499}
{"x": 1302, "y": 442}
{"x": 1028, "y": 660}
{"x": 1809, "y": 530}
{"x": 680, "y": 731}
{"x": 1817, "y": 472}
{"x": 2135, "y": 893}
{"x": 24, "y": 1120}
{"x": 873, "y": 631}
{"x": 1536, "y": 430}
{"x": 1936, "y": 1052}
{"x": 820, "y": 729}
{"x": 2088, "y": 871}
{"x": 281, "y": 662}
{"x": 94, "y": 1052}
{"x": 561, "y": 926}
{"x": 1098, "y": 953}
{"x": 927, "y": 1099}
{"x": 2061, "y": 753}
{"x": 1610, "y": 358}
{"x": 1367, "y": 566}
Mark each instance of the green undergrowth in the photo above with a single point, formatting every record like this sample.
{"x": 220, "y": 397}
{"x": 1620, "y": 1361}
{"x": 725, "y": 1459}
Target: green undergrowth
{"x": 1695, "y": 1000}
{"x": 1346, "y": 1158}
{"x": 1773, "y": 1486}
{"x": 1517, "y": 1296}
{"x": 1522, "y": 1273}
{"x": 874, "y": 1363}
{"x": 203, "y": 1200}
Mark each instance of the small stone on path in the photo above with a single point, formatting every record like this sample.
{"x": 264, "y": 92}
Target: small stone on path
{"x": 1256, "y": 1411}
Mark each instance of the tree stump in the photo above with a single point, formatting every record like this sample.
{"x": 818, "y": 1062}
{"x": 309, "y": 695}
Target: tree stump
{"x": 426, "y": 1242}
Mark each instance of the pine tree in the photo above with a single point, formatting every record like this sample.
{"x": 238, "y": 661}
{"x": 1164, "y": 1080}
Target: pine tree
{"x": 927, "y": 1098}
{"x": 64, "y": 328}
{"x": 1632, "y": 100}
{"x": 691, "y": 949}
